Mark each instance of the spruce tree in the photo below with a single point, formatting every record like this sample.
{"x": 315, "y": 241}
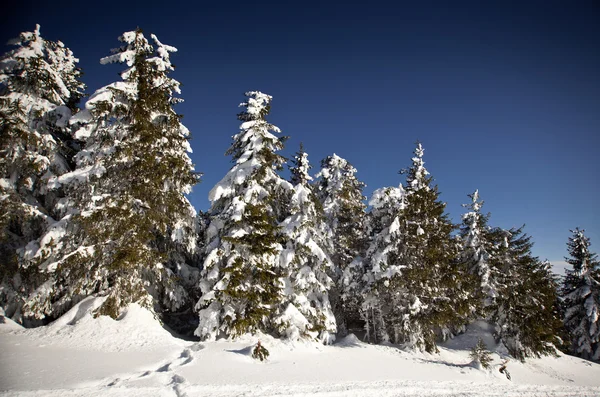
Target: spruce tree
{"x": 433, "y": 303}
{"x": 242, "y": 280}
{"x": 524, "y": 311}
{"x": 415, "y": 273}
{"x": 129, "y": 219}
{"x": 39, "y": 90}
{"x": 383, "y": 221}
{"x": 341, "y": 196}
{"x": 581, "y": 295}
{"x": 305, "y": 260}
{"x": 477, "y": 248}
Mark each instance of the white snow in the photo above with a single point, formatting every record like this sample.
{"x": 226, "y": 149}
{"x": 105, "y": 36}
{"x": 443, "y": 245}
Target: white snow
{"x": 79, "y": 355}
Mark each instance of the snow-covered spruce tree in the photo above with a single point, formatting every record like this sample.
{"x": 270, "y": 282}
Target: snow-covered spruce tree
{"x": 242, "y": 280}
{"x": 480, "y": 355}
{"x": 383, "y": 225}
{"x": 435, "y": 301}
{"x": 130, "y": 226}
{"x": 305, "y": 261}
{"x": 525, "y": 309}
{"x": 39, "y": 89}
{"x": 477, "y": 246}
{"x": 418, "y": 276}
{"x": 581, "y": 295}
{"x": 342, "y": 199}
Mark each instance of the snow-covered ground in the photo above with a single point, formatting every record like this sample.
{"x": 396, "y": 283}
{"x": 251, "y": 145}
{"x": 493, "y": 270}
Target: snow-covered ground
{"x": 82, "y": 356}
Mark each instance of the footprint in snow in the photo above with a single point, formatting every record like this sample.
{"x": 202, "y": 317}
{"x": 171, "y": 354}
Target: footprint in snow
{"x": 176, "y": 379}
{"x": 186, "y": 357}
{"x": 164, "y": 368}
{"x": 114, "y": 382}
{"x": 197, "y": 347}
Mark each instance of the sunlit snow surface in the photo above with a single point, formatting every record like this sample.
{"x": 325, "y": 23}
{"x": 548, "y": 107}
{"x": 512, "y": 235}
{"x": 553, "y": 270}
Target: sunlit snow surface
{"x": 82, "y": 356}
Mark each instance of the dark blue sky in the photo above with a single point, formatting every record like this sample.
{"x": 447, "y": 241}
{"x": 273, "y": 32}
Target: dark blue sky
{"x": 504, "y": 96}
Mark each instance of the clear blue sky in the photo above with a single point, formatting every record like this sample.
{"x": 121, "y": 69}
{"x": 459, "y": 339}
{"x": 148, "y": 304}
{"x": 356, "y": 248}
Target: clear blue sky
{"x": 504, "y": 96}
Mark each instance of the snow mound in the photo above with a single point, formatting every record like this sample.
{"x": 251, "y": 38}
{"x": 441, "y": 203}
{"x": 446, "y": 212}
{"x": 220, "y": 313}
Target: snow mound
{"x": 136, "y": 329}
{"x": 350, "y": 340}
{"x": 7, "y": 325}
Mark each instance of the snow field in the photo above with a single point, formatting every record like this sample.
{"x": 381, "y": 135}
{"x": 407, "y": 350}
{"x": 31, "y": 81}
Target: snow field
{"x": 82, "y": 356}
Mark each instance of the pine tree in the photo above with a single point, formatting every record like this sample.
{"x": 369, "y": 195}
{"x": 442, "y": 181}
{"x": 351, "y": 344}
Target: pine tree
{"x": 477, "y": 248}
{"x": 242, "y": 280}
{"x": 306, "y": 261}
{"x": 581, "y": 295}
{"x": 524, "y": 312}
{"x": 341, "y": 195}
{"x": 39, "y": 90}
{"x": 129, "y": 219}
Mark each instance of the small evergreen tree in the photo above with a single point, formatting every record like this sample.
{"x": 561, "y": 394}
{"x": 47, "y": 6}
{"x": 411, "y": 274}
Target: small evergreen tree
{"x": 260, "y": 352}
{"x": 242, "y": 281}
{"x": 581, "y": 295}
{"x": 341, "y": 196}
{"x": 481, "y": 355}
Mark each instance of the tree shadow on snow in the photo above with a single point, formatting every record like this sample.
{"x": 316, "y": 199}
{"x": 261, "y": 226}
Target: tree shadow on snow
{"x": 246, "y": 351}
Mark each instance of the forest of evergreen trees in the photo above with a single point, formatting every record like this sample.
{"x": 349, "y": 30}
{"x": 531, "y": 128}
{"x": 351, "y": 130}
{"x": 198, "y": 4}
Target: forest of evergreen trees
{"x": 93, "y": 202}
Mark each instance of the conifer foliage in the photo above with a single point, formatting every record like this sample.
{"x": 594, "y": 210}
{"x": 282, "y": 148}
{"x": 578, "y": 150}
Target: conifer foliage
{"x": 93, "y": 202}
{"x": 480, "y": 355}
{"x": 128, "y": 215}
{"x": 341, "y": 195}
{"x": 581, "y": 296}
{"x": 39, "y": 89}
{"x": 477, "y": 248}
{"x": 306, "y": 261}
{"x": 524, "y": 312}
{"x": 412, "y": 266}
{"x": 242, "y": 280}
{"x": 384, "y": 223}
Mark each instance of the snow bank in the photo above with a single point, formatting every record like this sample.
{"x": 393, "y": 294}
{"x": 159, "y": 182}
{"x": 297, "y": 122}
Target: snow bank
{"x": 136, "y": 330}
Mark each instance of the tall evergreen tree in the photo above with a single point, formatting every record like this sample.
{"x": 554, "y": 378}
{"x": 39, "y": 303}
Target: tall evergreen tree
{"x": 581, "y": 296}
{"x": 342, "y": 199}
{"x": 242, "y": 280}
{"x": 129, "y": 218}
{"x": 39, "y": 89}
{"x": 524, "y": 311}
{"x": 477, "y": 248}
{"x": 305, "y": 260}
{"x": 383, "y": 221}
{"x": 418, "y": 278}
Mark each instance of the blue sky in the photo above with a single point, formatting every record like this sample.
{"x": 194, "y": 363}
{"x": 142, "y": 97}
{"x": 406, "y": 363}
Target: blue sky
{"x": 504, "y": 96}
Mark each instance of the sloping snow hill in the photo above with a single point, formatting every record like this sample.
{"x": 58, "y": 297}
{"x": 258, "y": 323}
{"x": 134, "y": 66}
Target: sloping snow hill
{"x": 81, "y": 356}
